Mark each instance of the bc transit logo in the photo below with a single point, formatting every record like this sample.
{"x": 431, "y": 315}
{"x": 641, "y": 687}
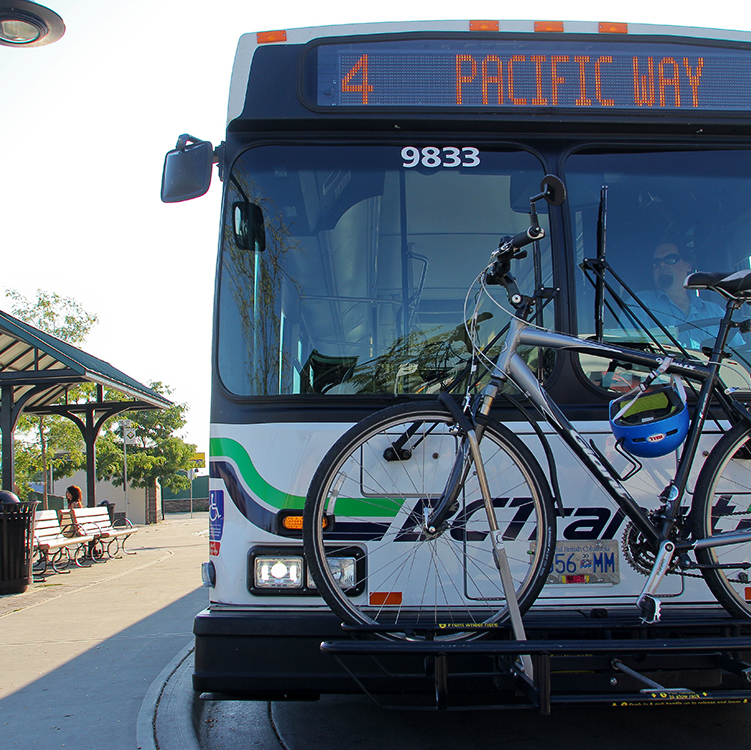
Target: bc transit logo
{"x": 216, "y": 520}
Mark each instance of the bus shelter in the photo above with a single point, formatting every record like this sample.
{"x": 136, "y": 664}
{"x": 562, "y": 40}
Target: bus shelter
{"x": 37, "y": 371}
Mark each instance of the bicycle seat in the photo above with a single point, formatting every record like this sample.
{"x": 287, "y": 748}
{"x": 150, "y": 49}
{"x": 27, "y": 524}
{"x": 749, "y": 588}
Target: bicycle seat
{"x": 736, "y": 284}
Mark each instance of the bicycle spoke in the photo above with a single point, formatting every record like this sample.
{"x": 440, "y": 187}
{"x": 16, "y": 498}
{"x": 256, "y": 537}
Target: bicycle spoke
{"x": 412, "y": 576}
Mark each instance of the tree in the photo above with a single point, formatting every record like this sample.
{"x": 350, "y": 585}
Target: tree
{"x": 61, "y": 316}
{"x": 58, "y": 444}
{"x": 159, "y": 454}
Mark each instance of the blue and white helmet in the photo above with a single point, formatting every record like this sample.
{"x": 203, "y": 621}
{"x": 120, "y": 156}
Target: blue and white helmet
{"x": 652, "y": 424}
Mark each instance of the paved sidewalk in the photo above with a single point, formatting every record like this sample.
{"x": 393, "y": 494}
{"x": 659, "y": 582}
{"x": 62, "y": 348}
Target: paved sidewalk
{"x": 79, "y": 651}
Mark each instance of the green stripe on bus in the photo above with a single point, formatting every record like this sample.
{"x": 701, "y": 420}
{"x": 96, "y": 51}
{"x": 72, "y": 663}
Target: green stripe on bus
{"x": 256, "y": 483}
{"x": 346, "y": 506}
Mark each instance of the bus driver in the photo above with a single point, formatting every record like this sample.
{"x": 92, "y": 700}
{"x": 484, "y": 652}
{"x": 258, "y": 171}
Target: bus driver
{"x": 675, "y": 306}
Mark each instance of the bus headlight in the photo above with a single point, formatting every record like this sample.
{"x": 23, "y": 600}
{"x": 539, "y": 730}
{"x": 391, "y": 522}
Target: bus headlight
{"x": 344, "y": 570}
{"x": 278, "y": 572}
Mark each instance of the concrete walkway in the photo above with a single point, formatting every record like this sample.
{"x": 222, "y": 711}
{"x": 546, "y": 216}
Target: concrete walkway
{"x": 79, "y": 652}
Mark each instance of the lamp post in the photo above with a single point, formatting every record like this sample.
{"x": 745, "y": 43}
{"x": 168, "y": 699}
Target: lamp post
{"x": 27, "y": 24}
{"x": 130, "y": 437}
{"x": 191, "y": 476}
{"x": 59, "y": 457}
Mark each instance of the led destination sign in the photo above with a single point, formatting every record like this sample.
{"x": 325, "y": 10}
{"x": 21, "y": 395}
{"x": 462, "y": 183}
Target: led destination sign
{"x": 513, "y": 74}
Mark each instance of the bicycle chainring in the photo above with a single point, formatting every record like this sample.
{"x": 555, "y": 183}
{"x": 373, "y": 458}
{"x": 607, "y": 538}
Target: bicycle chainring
{"x": 639, "y": 555}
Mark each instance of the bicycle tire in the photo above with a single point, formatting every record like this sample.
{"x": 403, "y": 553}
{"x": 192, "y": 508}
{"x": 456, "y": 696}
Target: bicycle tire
{"x": 724, "y": 488}
{"x": 405, "y": 579}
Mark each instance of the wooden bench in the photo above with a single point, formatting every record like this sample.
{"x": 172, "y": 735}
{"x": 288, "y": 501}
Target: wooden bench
{"x": 52, "y": 544}
{"x": 95, "y": 522}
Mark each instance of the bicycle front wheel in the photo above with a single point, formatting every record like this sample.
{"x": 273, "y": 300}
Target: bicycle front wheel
{"x": 371, "y": 555}
{"x": 722, "y": 503}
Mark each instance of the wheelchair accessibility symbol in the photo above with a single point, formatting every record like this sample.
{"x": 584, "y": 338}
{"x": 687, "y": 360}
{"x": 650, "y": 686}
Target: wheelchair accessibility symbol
{"x": 216, "y": 515}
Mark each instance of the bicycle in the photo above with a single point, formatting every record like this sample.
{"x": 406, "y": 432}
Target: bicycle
{"x": 433, "y": 520}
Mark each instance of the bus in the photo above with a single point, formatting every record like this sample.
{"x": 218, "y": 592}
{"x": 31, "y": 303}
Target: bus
{"x": 368, "y": 171}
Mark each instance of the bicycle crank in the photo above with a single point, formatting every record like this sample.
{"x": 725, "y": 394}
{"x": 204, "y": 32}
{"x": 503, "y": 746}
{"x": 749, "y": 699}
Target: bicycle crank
{"x": 648, "y": 602}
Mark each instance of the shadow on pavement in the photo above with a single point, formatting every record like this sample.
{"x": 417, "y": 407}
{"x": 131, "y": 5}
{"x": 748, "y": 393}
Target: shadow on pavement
{"x": 349, "y": 722}
{"x": 93, "y": 700}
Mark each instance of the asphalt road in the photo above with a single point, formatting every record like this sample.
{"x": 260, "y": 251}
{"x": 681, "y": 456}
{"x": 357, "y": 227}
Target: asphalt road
{"x": 354, "y": 723}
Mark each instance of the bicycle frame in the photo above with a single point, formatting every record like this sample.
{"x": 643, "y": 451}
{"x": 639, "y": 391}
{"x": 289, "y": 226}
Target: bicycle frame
{"x": 510, "y": 366}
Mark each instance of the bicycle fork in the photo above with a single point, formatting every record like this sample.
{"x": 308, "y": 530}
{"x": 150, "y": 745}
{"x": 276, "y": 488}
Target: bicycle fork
{"x": 461, "y": 469}
{"x": 499, "y": 551}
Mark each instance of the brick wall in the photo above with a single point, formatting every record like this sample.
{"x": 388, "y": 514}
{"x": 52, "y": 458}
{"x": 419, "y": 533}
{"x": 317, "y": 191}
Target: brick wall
{"x": 200, "y": 504}
{"x": 154, "y": 504}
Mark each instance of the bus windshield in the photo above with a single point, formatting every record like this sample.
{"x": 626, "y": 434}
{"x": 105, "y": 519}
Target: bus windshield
{"x": 351, "y": 274}
{"x": 669, "y": 212}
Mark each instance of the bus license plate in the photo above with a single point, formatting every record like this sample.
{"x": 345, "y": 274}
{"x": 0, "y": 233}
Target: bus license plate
{"x": 585, "y": 562}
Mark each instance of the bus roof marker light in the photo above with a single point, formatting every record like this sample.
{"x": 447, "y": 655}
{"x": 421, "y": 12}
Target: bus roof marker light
{"x": 484, "y": 25}
{"x": 27, "y": 24}
{"x": 554, "y": 26}
{"x": 609, "y": 27}
{"x": 267, "y": 37}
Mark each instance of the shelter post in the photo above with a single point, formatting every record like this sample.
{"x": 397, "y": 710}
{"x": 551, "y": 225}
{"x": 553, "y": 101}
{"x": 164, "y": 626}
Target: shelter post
{"x": 90, "y": 436}
{"x": 7, "y": 425}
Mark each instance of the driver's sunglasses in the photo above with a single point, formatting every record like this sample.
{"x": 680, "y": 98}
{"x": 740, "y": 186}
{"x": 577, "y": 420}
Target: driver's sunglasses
{"x": 666, "y": 260}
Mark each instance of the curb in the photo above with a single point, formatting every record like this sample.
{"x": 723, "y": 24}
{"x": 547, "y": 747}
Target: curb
{"x": 166, "y": 719}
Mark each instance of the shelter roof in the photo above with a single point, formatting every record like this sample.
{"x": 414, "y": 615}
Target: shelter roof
{"x": 40, "y": 368}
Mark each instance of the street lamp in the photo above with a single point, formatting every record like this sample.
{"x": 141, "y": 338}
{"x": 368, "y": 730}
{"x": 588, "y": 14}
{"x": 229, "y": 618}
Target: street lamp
{"x": 27, "y": 24}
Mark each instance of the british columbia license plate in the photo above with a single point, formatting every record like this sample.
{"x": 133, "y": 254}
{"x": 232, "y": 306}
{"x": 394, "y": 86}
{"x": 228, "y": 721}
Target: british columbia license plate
{"x": 585, "y": 562}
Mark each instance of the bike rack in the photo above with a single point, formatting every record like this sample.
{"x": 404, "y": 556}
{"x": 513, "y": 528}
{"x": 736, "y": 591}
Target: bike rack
{"x": 537, "y": 692}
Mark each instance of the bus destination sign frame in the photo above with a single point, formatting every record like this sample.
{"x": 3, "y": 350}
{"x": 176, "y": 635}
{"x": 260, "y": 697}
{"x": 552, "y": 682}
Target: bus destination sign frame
{"x": 511, "y": 74}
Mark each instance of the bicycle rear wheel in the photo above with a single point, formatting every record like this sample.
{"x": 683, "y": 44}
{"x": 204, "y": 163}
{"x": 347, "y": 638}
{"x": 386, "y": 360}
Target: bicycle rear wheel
{"x": 369, "y": 553}
{"x": 722, "y": 503}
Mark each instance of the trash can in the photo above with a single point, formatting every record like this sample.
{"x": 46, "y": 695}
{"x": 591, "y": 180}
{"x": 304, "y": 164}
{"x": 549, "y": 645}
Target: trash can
{"x": 16, "y": 543}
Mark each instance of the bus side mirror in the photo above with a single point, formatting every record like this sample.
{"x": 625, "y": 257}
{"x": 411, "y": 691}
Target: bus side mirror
{"x": 187, "y": 170}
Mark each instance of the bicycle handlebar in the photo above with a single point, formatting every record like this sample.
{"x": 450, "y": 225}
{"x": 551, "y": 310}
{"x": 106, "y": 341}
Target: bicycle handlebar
{"x": 525, "y": 238}
{"x": 508, "y": 247}
{"x": 498, "y": 271}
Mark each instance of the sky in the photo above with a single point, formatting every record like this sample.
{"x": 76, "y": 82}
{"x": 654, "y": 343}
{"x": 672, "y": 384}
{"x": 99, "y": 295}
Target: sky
{"x": 85, "y": 124}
